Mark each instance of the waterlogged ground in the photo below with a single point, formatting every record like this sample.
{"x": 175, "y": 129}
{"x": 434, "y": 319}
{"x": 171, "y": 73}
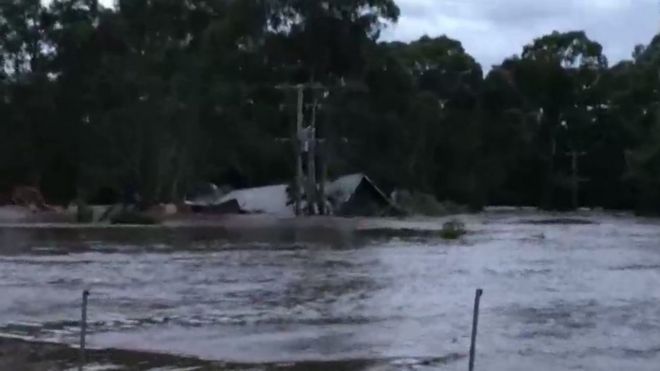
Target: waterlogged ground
{"x": 568, "y": 292}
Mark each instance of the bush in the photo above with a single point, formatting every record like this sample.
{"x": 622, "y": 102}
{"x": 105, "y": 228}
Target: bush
{"x": 453, "y": 230}
{"x": 418, "y": 203}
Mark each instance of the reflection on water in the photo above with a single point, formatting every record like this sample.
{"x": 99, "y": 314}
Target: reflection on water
{"x": 557, "y": 296}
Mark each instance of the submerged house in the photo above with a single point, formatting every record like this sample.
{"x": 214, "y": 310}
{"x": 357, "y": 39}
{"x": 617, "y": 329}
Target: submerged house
{"x": 262, "y": 200}
{"x": 358, "y": 195}
{"x": 351, "y": 195}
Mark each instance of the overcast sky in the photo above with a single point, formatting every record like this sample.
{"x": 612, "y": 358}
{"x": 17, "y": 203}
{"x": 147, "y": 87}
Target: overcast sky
{"x": 492, "y": 30}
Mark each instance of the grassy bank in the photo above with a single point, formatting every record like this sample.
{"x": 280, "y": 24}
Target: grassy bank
{"x": 21, "y": 355}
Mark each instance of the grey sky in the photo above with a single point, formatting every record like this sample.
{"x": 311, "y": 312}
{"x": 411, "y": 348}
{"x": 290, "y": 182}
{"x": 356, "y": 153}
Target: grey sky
{"x": 492, "y": 30}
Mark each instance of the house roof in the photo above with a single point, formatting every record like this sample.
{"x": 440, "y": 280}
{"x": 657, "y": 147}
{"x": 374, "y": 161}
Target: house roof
{"x": 267, "y": 200}
{"x": 344, "y": 187}
{"x": 275, "y": 200}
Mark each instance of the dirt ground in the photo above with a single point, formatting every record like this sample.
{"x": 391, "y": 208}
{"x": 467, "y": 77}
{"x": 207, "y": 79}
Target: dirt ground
{"x": 21, "y": 355}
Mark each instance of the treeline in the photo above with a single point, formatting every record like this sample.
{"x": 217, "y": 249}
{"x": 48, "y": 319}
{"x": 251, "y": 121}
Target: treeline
{"x": 162, "y": 94}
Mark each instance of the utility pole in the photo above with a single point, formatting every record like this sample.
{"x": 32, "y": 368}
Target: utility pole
{"x": 312, "y": 185}
{"x": 316, "y": 154}
{"x": 575, "y": 177}
{"x": 298, "y": 149}
{"x": 323, "y": 171}
{"x": 317, "y": 149}
{"x": 324, "y": 178}
{"x": 299, "y": 139}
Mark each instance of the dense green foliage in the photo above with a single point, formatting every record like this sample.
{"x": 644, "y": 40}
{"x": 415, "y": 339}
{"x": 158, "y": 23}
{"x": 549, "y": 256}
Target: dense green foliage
{"x": 162, "y": 94}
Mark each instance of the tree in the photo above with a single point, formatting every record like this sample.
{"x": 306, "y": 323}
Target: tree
{"x": 161, "y": 94}
{"x": 635, "y": 98}
{"x": 558, "y": 79}
{"x": 28, "y": 91}
{"x": 328, "y": 40}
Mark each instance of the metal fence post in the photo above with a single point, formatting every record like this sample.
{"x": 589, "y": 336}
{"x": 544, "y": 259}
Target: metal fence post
{"x": 475, "y": 324}
{"x": 83, "y": 329}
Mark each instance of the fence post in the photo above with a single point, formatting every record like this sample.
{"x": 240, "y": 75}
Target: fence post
{"x": 83, "y": 330}
{"x": 475, "y": 324}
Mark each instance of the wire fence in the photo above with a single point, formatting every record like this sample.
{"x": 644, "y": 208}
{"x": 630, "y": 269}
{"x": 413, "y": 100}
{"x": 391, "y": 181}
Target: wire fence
{"x": 473, "y": 340}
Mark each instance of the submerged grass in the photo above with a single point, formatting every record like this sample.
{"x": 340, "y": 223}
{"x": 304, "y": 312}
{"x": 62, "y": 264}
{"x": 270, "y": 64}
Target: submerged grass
{"x": 135, "y": 218}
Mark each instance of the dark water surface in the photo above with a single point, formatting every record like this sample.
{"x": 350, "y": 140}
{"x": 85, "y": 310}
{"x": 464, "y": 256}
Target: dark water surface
{"x": 560, "y": 294}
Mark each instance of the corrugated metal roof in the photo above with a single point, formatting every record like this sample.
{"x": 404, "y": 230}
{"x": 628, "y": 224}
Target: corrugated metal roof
{"x": 267, "y": 200}
{"x": 343, "y": 188}
{"x": 275, "y": 200}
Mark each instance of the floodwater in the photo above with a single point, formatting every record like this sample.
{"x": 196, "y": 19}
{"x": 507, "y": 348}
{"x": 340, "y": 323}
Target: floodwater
{"x": 576, "y": 292}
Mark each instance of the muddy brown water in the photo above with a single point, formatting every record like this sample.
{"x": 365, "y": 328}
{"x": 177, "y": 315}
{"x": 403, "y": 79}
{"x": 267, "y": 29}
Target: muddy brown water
{"x": 561, "y": 292}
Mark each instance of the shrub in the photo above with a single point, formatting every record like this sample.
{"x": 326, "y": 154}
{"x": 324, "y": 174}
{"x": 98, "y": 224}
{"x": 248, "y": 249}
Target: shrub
{"x": 453, "y": 230}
